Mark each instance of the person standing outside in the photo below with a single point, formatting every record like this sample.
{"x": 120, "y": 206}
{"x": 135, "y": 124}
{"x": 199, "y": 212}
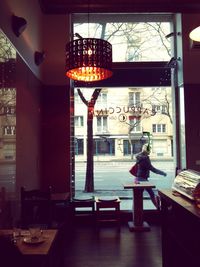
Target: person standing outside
{"x": 144, "y": 167}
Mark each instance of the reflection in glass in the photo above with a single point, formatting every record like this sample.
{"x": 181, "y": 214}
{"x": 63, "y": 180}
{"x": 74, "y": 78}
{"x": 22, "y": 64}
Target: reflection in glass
{"x": 7, "y": 114}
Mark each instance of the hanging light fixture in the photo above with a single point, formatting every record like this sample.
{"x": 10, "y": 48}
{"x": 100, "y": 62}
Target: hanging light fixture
{"x": 195, "y": 34}
{"x": 88, "y": 59}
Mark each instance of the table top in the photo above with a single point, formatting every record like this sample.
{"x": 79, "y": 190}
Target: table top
{"x": 180, "y": 200}
{"x": 141, "y": 185}
{"x": 41, "y": 249}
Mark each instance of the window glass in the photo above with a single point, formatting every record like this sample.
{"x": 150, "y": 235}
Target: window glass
{"x": 122, "y": 119}
{"x": 140, "y": 38}
{"x": 7, "y": 114}
{"x": 119, "y": 132}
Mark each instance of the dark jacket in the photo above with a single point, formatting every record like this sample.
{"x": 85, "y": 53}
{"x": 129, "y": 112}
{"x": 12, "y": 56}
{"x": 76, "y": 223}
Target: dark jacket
{"x": 144, "y": 166}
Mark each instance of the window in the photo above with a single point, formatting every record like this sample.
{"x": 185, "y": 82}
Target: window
{"x": 11, "y": 110}
{"x": 136, "y": 146}
{"x": 102, "y": 124}
{"x": 79, "y": 146}
{"x": 9, "y": 130}
{"x": 7, "y": 113}
{"x": 159, "y": 128}
{"x": 134, "y": 98}
{"x": 102, "y": 99}
{"x": 134, "y": 124}
{"x": 124, "y": 107}
{"x": 159, "y": 109}
{"x": 134, "y": 37}
{"x": 78, "y": 121}
{"x": 104, "y": 146}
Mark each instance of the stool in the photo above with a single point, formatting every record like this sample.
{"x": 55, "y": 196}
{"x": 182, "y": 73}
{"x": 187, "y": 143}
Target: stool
{"x": 108, "y": 210}
{"x": 83, "y": 203}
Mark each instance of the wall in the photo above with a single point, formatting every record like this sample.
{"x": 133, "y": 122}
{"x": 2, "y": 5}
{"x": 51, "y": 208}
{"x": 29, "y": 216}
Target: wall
{"x": 48, "y": 33}
{"x": 55, "y": 130}
{"x": 28, "y": 127}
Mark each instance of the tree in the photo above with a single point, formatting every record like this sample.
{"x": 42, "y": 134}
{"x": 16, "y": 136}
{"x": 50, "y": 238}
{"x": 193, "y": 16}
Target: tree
{"x": 89, "y": 180}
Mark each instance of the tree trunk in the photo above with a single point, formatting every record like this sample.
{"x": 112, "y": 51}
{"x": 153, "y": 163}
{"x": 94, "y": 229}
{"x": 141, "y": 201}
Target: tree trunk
{"x": 89, "y": 180}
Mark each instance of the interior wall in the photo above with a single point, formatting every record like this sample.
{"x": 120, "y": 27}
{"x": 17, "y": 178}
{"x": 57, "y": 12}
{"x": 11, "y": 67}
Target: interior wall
{"x": 28, "y": 147}
{"x": 30, "y": 40}
{"x": 191, "y": 85}
{"x": 55, "y": 129}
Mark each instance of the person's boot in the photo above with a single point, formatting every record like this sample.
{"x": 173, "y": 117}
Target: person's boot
{"x": 157, "y": 198}
{"x": 156, "y": 202}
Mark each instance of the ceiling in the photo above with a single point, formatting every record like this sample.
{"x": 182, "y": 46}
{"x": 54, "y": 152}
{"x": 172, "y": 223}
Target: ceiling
{"x": 81, "y": 6}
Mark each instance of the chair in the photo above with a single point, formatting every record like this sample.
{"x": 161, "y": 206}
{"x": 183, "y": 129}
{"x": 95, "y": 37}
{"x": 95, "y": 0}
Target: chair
{"x": 2, "y": 207}
{"x": 83, "y": 203}
{"x": 36, "y": 207}
{"x": 108, "y": 210}
{"x": 87, "y": 205}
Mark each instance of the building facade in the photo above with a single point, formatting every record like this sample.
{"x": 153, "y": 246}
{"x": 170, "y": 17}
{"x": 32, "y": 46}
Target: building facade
{"x": 123, "y": 120}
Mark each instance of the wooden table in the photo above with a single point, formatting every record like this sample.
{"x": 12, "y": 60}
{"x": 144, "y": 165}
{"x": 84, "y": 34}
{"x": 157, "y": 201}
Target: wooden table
{"x": 180, "y": 217}
{"x": 35, "y": 254}
{"x": 138, "y": 224}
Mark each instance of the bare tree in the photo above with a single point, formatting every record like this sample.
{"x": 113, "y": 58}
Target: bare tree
{"x": 89, "y": 180}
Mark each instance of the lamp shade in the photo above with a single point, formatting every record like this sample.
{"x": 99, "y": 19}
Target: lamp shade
{"x": 88, "y": 59}
{"x": 195, "y": 34}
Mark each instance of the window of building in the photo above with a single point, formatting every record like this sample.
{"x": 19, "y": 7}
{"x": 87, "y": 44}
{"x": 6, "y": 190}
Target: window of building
{"x": 135, "y": 125}
{"x": 104, "y": 146}
{"x": 159, "y": 128}
{"x": 102, "y": 99}
{"x": 159, "y": 108}
{"x": 136, "y": 147}
{"x": 77, "y": 98}
{"x": 78, "y": 121}
{"x": 134, "y": 99}
{"x": 9, "y": 130}
{"x": 79, "y": 146}
{"x": 102, "y": 124}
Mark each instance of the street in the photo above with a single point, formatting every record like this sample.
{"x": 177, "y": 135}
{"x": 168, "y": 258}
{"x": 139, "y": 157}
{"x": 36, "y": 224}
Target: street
{"x": 112, "y": 175}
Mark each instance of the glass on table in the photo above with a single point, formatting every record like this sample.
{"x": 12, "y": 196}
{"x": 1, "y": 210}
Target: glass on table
{"x": 16, "y": 234}
{"x": 35, "y": 231}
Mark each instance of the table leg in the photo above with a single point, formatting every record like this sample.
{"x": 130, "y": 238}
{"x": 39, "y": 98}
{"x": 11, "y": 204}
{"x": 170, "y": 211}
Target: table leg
{"x": 138, "y": 224}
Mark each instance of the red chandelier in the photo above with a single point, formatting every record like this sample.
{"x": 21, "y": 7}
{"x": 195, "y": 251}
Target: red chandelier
{"x": 88, "y": 59}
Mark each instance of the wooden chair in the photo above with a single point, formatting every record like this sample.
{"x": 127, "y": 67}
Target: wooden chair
{"x": 108, "y": 210}
{"x": 78, "y": 203}
{"x": 2, "y": 207}
{"x": 36, "y": 207}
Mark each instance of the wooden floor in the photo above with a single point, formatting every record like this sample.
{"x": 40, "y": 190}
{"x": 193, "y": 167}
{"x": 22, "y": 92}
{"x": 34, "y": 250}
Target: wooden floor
{"x": 108, "y": 247}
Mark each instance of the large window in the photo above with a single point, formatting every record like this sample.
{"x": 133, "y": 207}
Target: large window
{"x": 123, "y": 113}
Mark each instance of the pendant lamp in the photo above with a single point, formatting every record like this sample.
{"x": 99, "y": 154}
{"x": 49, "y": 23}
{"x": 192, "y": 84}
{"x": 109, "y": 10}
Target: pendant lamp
{"x": 195, "y": 34}
{"x": 88, "y": 59}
